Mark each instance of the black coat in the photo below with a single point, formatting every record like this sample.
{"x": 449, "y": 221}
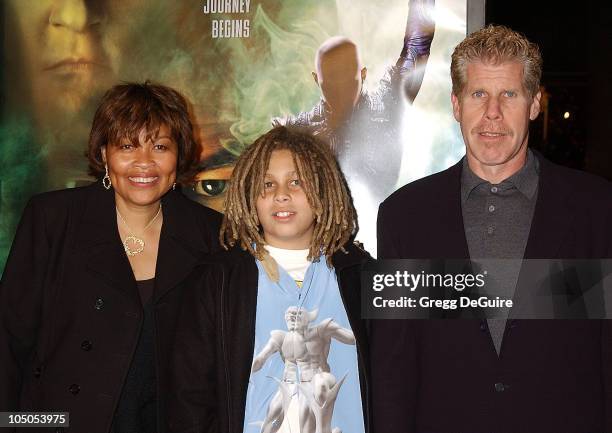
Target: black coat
{"x": 445, "y": 376}
{"x": 215, "y": 340}
{"x": 70, "y": 310}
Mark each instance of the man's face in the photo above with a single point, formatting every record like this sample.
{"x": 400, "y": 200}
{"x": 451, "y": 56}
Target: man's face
{"x": 494, "y": 111}
{"x": 61, "y": 47}
{"x": 340, "y": 79}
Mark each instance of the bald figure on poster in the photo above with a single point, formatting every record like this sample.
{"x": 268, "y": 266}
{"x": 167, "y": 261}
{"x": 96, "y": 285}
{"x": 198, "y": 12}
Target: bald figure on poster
{"x": 364, "y": 128}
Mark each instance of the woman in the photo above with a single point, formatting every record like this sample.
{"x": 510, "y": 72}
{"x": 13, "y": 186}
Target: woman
{"x": 91, "y": 289}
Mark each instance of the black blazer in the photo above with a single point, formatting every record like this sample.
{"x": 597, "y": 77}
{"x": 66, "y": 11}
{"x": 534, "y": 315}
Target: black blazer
{"x": 215, "y": 340}
{"x": 444, "y": 376}
{"x": 70, "y": 310}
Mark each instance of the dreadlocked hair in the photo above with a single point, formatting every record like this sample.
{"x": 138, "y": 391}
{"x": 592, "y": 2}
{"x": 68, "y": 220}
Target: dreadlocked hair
{"x": 321, "y": 180}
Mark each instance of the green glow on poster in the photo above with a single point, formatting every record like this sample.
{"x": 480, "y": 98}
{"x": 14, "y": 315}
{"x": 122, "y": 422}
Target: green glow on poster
{"x": 19, "y": 177}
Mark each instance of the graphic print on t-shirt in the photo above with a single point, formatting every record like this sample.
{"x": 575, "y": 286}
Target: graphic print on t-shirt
{"x": 304, "y": 347}
{"x": 304, "y": 376}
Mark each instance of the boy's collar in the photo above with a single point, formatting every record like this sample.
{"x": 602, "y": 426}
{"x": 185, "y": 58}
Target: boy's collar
{"x": 271, "y": 266}
{"x": 354, "y": 255}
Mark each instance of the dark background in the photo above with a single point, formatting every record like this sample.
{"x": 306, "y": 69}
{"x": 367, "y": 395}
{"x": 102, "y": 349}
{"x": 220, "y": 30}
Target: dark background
{"x": 576, "y": 44}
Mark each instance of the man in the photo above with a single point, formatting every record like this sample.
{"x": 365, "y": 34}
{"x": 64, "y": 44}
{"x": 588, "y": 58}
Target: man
{"x": 364, "y": 129}
{"x": 61, "y": 54}
{"x": 501, "y": 201}
{"x": 55, "y": 60}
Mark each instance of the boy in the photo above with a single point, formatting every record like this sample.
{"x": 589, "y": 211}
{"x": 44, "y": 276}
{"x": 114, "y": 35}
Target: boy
{"x": 271, "y": 340}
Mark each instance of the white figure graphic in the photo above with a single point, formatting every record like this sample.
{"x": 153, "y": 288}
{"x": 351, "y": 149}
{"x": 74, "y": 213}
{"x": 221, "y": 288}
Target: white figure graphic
{"x": 304, "y": 350}
{"x": 322, "y": 398}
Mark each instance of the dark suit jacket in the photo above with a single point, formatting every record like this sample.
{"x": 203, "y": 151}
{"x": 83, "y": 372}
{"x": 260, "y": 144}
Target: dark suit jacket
{"x": 69, "y": 307}
{"x": 444, "y": 376}
{"x": 215, "y": 340}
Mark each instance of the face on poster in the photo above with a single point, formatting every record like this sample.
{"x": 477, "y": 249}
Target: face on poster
{"x": 244, "y": 65}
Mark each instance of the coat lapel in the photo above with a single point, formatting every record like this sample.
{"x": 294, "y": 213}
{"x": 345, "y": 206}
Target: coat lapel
{"x": 181, "y": 245}
{"x": 454, "y": 240}
{"x": 98, "y": 238}
{"x": 349, "y": 284}
{"x": 552, "y": 217}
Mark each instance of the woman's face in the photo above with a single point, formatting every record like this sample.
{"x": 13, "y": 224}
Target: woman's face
{"x": 141, "y": 174}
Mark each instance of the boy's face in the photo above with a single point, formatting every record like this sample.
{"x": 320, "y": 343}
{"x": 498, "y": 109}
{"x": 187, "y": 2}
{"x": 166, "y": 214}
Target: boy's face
{"x": 283, "y": 209}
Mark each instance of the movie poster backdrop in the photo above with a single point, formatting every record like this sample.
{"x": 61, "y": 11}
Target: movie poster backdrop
{"x": 245, "y": 65}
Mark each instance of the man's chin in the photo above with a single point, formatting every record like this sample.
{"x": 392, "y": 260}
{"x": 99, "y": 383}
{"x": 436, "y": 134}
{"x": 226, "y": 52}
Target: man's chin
{"x": 493, "y": 162}
{"x": 496, "y": 163}
{"x": 493, "y": 156}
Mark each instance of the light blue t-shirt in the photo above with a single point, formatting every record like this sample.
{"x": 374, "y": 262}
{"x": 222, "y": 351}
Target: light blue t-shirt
{"x": 305, "y": 358}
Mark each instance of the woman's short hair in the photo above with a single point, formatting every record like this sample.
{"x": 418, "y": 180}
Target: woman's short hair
{"x": 127, "y": 109}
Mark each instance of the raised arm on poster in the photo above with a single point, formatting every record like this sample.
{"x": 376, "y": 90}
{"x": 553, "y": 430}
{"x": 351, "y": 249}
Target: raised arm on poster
{"x": 417, "y": 43}
{"x": 363, "y": 128}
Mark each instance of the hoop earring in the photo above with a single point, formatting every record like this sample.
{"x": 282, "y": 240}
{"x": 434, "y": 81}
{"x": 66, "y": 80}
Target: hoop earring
{"x": 106, "y": 180}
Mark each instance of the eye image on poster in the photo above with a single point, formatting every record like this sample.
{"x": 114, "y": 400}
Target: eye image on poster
{"x": 370, "y": 78}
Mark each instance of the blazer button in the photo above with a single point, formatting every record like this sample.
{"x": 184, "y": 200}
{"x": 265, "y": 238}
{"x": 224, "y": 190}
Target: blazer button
{"x": 74, "y": 389}
{"x": 86, "y": 345}
{"x": 99, "y": 304}
{"x": 37, "y": 372}
{"x": 483, "y": 325}
{"x": 500, "y": 387}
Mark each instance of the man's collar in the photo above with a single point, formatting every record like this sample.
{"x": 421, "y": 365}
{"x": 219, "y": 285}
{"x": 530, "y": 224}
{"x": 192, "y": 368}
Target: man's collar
{"x": 469, "y": 180}
{"x": 525, "y": 180}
